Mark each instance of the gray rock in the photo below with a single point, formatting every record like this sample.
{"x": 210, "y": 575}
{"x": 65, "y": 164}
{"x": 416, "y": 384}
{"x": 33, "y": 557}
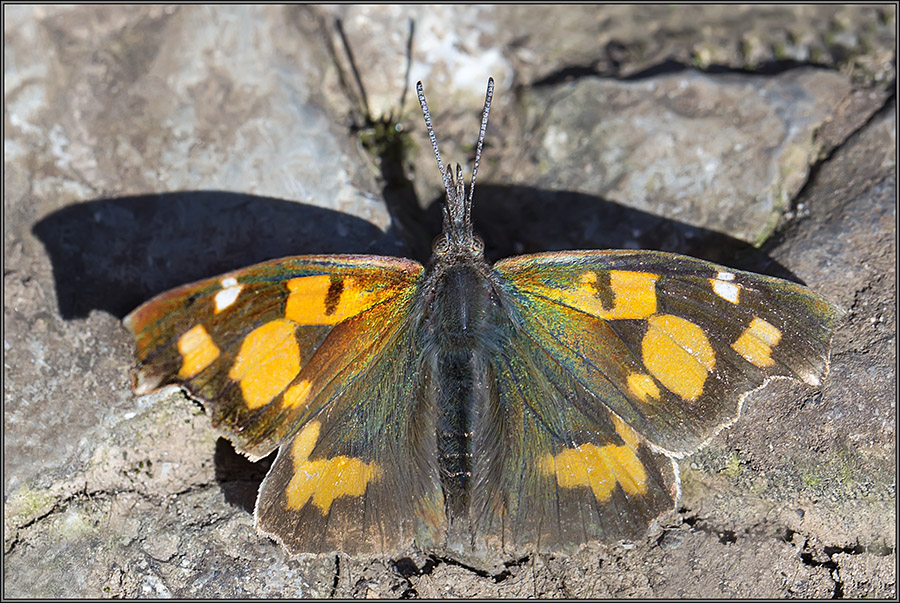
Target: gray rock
{"x": 148, "y": 146}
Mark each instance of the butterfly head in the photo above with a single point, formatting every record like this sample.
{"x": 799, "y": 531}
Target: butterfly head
{"x": 457, "y": 238}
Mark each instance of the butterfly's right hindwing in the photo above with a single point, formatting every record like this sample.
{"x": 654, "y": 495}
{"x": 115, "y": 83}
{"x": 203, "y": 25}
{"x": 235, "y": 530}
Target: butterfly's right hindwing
{"x": 567, "y": 470}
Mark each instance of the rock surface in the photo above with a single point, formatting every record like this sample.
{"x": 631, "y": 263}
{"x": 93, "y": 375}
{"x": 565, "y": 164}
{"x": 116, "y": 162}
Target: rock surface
{"x": 148, "y": 146}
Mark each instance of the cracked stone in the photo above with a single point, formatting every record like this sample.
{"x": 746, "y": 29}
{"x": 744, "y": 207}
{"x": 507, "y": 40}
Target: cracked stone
{"x": 147, "y": 146}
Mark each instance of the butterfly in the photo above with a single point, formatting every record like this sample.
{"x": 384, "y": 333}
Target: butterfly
{"x": 530, "y": 405}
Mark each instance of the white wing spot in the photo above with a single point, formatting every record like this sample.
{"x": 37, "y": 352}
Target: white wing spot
{"x": 229, "y": 294}
{"x": 725, "y": 276}
{"x": 726, "y": 290}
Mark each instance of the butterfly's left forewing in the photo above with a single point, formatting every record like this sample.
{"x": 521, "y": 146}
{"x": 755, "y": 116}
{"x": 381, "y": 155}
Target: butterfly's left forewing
{"x": 313, "y": 355}
{"x": 243, "y": 342}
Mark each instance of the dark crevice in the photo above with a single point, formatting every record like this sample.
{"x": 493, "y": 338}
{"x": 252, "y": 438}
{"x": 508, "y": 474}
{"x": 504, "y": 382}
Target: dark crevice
{"x": 856, "y": 549}
{"x": 57, "y": 507}
{"x": 886, "y": 108}
{"x": 808, "y": 559}
{"x": 689, "y": 520}
{"x": 567, "y": 74}
{"x": 455, "y": 562}
{"x": 62, "y": 505}
{"x": 407, "y": 568}
{"x": 788, "y": 536}
{"x": 727, "y": 537}
{"x": 767, "y": 68}
{"x": 500, "y": 577}
{"x": 809, "y": 556}
{"x": 724, "y": 535}
{"x": 610, "y": 67}
{"x": 812, "y": 176}
{"x": 337, "y": 577}
{"x": 496, "y": 578}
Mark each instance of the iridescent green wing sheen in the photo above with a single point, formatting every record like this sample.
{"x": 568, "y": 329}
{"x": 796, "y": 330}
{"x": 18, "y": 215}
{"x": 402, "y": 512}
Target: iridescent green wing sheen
{"x": 242, "y": 342}
{"x": 605, "y": 365}
{"x": 669, "y": 344}
{"x": 314, "y": 355}
{"x": 362, "y": 475}
{"x": 553, "y": 467}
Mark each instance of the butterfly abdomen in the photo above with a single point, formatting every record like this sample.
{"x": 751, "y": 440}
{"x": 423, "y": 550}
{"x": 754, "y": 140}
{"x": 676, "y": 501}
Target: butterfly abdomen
{"x": 458, "y": 326}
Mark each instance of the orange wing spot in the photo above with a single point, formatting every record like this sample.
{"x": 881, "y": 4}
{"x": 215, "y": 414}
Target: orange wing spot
{"x": 678, "y": 354}
{"x": 628, "y": 435}
{"x": 325, "y": 480}
{"x": 726, "y": 290}
{"x": 628, "y": 295}
{"x": 635, "y": 294}
{"x": 318, "y": 300}
{"x": 197, "y": 352}
{"x": 599, "y": 468}
{"x": 643, "y": 386}
{"x": 756, "y": 342}
{"x": 296, "y": 395}
{"x": 268, "y": 361}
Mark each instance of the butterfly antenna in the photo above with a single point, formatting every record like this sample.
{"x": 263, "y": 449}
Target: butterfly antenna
{"x": 461, "y": 221}
{"x": 484, "y": 120}
{"x": 458, "y": 208}
{"x": 445, "y": 176}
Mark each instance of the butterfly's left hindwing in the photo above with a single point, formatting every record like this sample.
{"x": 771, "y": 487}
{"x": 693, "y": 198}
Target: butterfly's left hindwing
{"x": 361, "y": 476}
{"x": 316, "y": 355}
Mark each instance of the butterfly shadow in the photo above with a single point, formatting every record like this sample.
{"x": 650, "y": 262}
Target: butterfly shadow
{"x": 113, "y": 254}
{"x": 237, "y": 476}
{"x": 516, "y": 220}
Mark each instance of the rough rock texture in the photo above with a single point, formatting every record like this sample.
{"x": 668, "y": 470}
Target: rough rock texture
{"x": 148, "y": 146}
